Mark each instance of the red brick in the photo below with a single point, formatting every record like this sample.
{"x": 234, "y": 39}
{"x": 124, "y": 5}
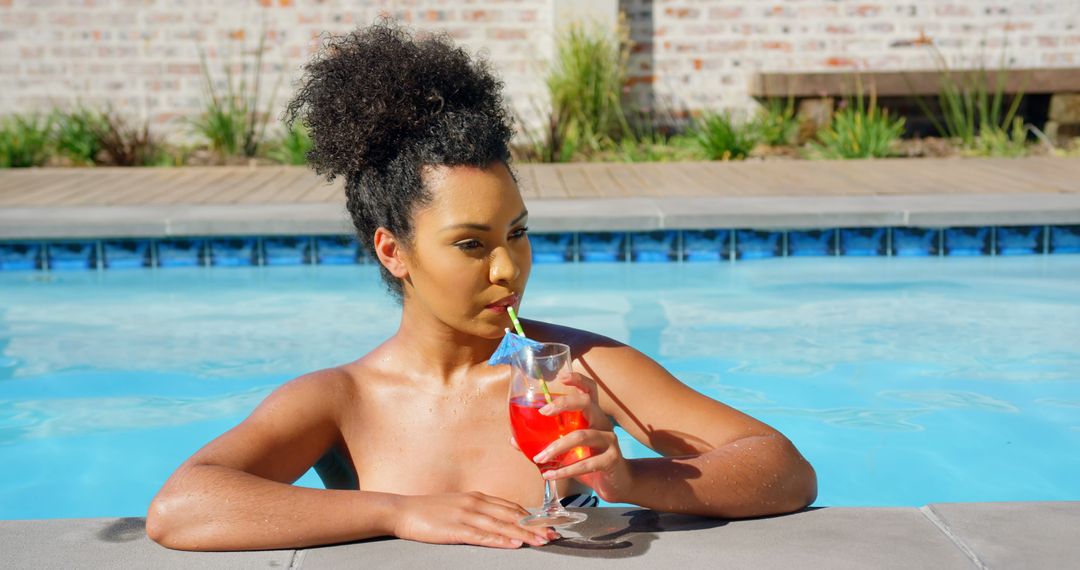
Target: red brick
{"x": 504, "y": 34}
{"x": 840, "y": 62}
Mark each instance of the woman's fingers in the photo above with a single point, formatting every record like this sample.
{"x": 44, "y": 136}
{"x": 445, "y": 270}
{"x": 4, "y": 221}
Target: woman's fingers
{"x": 502, "y": 516}
{"x": 596, "y": 440}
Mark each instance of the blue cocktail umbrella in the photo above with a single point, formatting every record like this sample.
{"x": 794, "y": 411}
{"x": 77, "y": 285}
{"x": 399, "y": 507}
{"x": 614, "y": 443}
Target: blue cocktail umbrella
{"x": 512, "y": 343}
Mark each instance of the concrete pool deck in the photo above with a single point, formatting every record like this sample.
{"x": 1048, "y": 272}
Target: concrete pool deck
{"x": 941, "y": 536}
{"x": 211, "y": 201}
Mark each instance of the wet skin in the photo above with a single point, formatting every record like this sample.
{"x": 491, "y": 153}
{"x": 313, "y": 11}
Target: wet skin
{"x": 423, "y": 419}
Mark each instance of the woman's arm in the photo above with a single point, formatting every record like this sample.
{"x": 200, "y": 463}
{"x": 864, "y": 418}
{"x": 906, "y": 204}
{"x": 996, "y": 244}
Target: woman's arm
{"x": 236, "y": 492}
{"x": 717, "y": 461}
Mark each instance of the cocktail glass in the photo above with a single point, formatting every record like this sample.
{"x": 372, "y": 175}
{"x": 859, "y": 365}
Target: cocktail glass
{"x": 538, "y": 375}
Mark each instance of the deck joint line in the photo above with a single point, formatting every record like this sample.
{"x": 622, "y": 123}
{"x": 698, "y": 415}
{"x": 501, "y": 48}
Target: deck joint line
{"x": 934, "y": 519}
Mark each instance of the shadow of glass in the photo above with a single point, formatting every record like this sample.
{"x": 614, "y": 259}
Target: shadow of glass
{"x": 624, "y": 535}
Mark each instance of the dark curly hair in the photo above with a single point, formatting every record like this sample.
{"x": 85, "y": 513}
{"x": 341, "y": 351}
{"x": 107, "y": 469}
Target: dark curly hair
{"x": 380, "y": 105}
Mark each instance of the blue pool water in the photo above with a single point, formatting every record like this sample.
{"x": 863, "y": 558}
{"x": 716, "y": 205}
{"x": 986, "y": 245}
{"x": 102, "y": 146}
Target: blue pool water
{"x": 904, "y": 381}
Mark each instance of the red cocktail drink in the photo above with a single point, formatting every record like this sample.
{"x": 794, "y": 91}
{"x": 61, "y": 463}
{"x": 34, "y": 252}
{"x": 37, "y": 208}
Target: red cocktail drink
{"x": 534, "y": 431}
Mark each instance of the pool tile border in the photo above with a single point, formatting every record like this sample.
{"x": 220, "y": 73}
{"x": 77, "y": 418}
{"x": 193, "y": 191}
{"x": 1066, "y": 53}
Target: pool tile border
{"x": 655, "y": 246}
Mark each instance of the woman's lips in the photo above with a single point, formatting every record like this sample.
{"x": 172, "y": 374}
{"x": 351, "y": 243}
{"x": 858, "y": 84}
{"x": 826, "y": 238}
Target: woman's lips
{"x": 502, "y": 304}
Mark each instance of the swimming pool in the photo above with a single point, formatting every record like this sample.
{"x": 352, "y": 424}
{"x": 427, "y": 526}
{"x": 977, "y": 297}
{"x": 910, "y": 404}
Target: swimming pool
{"x": 904, "y": 381}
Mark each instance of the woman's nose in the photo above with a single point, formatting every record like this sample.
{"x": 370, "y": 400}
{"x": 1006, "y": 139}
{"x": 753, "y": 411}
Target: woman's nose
{"x": 503, "y": 267}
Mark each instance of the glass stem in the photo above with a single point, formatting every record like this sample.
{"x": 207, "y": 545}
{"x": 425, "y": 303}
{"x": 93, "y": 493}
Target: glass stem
{"x": 551, "y": 497}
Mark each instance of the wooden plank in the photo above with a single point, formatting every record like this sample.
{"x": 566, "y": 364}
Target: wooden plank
{"x": 55, "y": 187}
{"x": 267, "y": 192}
{"x": 131, "y": 184}
{"x": 76, "y": 195}
{"x": 908, "y": 83}
{"x": 294, "y": 186}
{"x": 252, "y": 183}
{"x": 204, "y": 189}
{"x": 576, "y": 182}
{"x": 322, "y": 192}
{"x": 548, "y": 182}
{"x": 526, "y": 178}
{"x": 170, "y": 188}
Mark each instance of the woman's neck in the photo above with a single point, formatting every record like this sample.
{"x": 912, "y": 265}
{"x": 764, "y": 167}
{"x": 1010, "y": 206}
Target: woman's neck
{"x": 438, "y": 351}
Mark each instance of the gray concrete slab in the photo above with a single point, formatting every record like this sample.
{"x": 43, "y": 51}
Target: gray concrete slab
{"x": 553, "y": 215}
{"x": 1014, "y": 535}
{"x": 824, "y": 538}
{"x": 178, "y": 220}
{"x": 942, "y": 536}
{"x": 70, "y": 544}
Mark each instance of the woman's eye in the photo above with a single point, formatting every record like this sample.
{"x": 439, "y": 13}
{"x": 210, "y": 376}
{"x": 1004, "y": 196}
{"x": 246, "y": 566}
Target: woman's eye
{"x": 467, "y": 244}
{"x": 519, "y": 233}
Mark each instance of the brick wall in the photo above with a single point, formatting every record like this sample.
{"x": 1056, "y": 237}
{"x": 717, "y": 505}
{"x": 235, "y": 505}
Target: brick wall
{"x": 142, "y": 56}
{"x": 702, "y": 54}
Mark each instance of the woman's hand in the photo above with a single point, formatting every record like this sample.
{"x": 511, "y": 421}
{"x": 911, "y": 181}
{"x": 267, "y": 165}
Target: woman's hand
{"x": 467, "y": 518}
{"x": 605, "y": 470}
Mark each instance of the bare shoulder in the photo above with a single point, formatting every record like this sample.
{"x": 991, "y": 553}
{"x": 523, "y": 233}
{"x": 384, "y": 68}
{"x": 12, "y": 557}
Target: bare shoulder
{"x": 596, "y": 354}
{"x": 646, "y": 399}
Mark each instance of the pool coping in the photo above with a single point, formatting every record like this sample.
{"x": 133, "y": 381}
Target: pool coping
{"x": 948, "y": 535}
{"x": 560, "y": 215}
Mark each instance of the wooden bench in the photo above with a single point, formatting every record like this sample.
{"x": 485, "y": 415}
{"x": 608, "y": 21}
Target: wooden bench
{"x": 1051, "y": 95}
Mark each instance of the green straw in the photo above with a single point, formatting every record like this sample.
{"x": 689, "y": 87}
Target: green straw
{"x": 521, "y": 331}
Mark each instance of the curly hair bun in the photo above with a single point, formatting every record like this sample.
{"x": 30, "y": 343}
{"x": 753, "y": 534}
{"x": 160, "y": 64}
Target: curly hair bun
{"x": 372, "y": 94}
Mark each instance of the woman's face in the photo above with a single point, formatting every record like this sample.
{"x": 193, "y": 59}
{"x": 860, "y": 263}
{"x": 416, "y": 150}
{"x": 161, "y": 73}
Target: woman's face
{"x": 470, "y": 256}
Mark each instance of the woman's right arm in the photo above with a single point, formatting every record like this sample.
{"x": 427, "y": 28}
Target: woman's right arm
{"x": 236, "y": 493}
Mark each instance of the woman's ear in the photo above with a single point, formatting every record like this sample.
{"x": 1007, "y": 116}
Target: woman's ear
{"x": 390, "y": 253}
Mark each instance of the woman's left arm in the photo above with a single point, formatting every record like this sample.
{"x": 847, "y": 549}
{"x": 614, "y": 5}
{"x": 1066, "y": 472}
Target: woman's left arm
{"x": 717, "y": 461}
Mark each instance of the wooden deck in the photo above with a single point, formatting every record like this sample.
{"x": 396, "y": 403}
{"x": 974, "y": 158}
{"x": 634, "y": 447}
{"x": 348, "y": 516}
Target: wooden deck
{"x": 80, "y": 187}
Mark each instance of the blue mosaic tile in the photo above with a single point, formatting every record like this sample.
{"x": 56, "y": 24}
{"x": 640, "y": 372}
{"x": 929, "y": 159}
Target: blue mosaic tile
{"x": 1065, "y": 239}
{"x": 915, "y": 242}
{"x": 755, "y": 244}
{"x": 653, "y": 247}
{"x": 234, "y": 252}
{"x": 180, "y": 252}
{"x": 602, "y": 246}
{"x": 126, "y": 253}
{"x": 1019, "y": 240}
{"x": 706, "y": 245}
{"x": 64, "y": 256}
{"x": 862, "y": 241}
{"x": 20, "y": 256}
{"x": 338, "y": 250}
{"x": 811, "y": 242}
{"x": 967, "y": 241}
{"x": 286, "y": 250}
{"x": 552, "y": 248}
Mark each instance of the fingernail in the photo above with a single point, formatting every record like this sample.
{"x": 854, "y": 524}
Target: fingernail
{"x": 547, "y": 409}
{"x": 515, "y": 542}
{"x": 549, "y": 474}
{"x": 540, "y": 457}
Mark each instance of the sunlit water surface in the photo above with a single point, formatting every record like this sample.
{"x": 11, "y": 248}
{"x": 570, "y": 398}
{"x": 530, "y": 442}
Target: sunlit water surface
{"x": 904, "y": 382}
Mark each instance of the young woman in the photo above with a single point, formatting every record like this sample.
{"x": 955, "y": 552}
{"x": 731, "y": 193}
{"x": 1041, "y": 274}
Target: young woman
{"x": 413, "y": 438}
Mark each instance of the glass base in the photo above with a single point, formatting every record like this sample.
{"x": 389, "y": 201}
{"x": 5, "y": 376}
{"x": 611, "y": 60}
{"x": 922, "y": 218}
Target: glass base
{"x": 558, "y": 518}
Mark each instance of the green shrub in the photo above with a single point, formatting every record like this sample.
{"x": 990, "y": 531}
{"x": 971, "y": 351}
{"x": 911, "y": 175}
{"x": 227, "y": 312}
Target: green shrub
{"x": 860, "y": 129}
{"x": 231, "y": 122}
{"x": 720, "y": 137}
{"x": 972, "y": 101}
{"x": 655, "y": 148}
{"x": 123, "y": 144}
{"x": 78, "y": 135}
{"x": 584, "y": 85}
{"x": 999, "y": 142}
{"x": 292, "y": 147}
{"x": 25, "y": 140}
{"x": 776, "y": 123}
